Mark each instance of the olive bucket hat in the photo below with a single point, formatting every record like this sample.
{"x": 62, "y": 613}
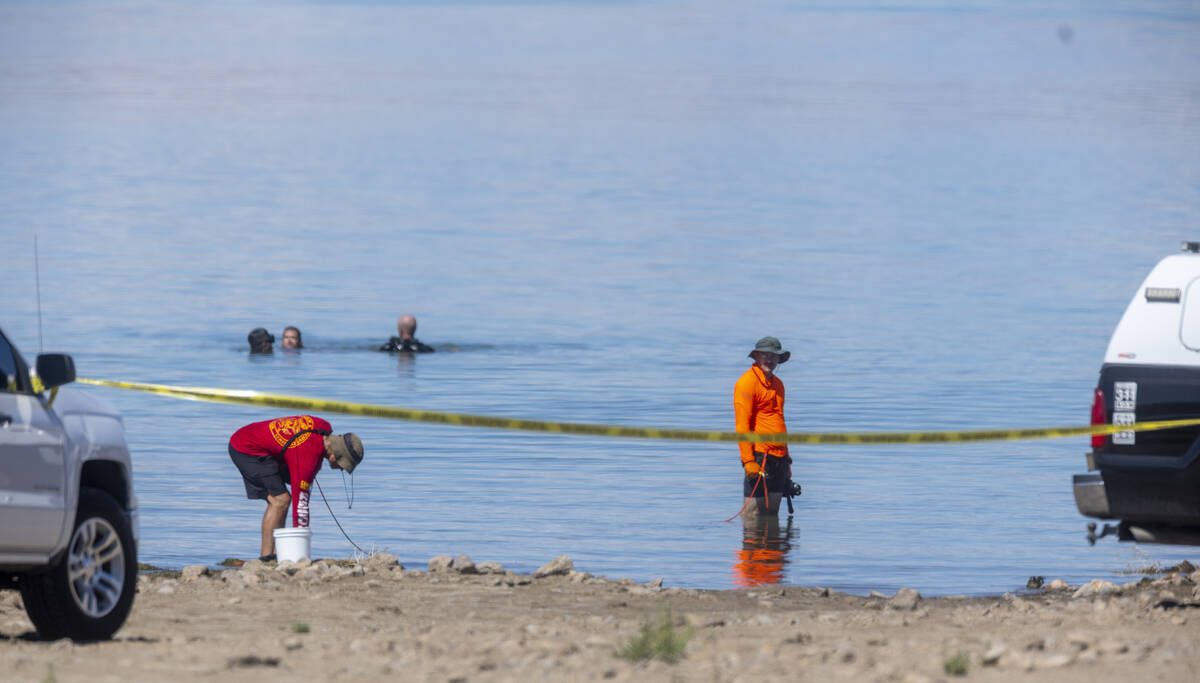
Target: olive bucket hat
{"x": 347, "y": 451}
{"x": 771, "y": 345}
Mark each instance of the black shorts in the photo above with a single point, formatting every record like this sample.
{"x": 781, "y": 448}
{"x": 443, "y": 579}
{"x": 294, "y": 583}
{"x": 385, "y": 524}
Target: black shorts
{"x": 262, "y": 474}
{"x": 776, "y": 480}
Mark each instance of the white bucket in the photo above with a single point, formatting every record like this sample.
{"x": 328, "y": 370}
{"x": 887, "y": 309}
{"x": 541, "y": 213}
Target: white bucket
{"x": 293, "y": 545}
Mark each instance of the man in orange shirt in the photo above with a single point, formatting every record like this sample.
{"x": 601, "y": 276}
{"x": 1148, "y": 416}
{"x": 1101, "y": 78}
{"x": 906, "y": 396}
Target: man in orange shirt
{"x": 758, "y": 407}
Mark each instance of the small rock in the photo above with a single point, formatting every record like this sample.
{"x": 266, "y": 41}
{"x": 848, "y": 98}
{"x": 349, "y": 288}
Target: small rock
{"x": 994, "y": 654}
{"x": 905, "y": 599}
{"x": 344, "y": 573}
{"x": 440, "y": 563}
{"x": 292, "y": 643}
{"x": 656, "y": 583}
{"x": 1016, "y": 660}
{"x": 166, "y": 589}
{"x": 1057, "y": 585}
{"x": 1054, "y": 661}
{"x": 558, "y": 566}
{"x": 309, "y": 574}
{"x": 876, "y": 594}
{"x": 1184, "y": 567}
{"x": 463, "y": 565}
{"x": 489, "y": 567}
{"x": 1095, "y": 587}
{"x": 288, "y": 567}
{"x": 193, "y": 572}
{"x": 382, "y": 562}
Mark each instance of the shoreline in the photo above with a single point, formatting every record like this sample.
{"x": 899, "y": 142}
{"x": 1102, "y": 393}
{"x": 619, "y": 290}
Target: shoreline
{"x": 461, "y": 621}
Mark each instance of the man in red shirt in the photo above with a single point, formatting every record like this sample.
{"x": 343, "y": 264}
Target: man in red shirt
{"x": 758, "y": 407}
{"x": 288, "y": 450}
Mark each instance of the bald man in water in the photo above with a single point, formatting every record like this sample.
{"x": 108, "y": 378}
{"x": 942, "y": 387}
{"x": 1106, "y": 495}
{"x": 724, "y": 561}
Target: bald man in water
{"x": 406, "y": 325}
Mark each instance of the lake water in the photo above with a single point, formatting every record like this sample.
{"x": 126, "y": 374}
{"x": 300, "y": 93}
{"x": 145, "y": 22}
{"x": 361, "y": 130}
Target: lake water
{"x": 940, "y": 208}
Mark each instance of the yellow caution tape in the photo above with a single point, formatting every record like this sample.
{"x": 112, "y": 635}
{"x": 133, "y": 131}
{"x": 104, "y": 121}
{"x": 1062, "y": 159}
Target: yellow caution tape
{"x": 832, "y": 438}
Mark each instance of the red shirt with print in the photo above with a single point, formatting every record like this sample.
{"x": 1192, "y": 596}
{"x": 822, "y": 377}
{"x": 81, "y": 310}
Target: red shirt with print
{"x": 303, "y": 458}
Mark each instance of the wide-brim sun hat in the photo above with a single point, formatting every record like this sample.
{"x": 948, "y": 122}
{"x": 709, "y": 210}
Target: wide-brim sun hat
{"x": 347, "y": 450}
{"x": 771, "y": 345}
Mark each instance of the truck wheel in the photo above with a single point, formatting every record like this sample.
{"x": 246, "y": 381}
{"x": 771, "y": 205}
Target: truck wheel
{"x": 89, "y": 593}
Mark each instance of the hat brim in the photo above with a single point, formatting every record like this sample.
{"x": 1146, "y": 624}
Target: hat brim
{"x": 783, "y": 357}
{"x": 345, "y": 457}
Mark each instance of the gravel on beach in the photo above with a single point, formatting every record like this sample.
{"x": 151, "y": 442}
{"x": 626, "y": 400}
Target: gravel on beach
{"x": 458, "y": 621}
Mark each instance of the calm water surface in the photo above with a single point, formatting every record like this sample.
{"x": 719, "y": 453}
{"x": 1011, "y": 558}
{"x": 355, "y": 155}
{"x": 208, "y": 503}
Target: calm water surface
{"x": 941, "y": 209}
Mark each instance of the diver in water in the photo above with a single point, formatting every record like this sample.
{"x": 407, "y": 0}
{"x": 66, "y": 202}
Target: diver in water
{"x": 260, "y": 340}
{"x": 406, "y": 325}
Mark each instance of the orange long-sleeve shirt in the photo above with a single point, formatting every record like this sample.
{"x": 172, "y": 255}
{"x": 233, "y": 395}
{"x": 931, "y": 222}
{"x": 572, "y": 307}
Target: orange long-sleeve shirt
{"x": 758, "y": 407}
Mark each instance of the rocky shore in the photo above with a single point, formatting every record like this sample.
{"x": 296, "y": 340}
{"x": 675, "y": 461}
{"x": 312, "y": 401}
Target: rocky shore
{"x": 458, "y": 621}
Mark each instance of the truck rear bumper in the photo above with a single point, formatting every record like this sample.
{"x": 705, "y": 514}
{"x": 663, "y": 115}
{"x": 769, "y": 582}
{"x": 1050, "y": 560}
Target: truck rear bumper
{"x": 1090, "y": 496}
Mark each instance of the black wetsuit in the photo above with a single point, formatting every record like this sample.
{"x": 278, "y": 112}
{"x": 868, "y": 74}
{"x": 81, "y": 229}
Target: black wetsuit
{"x": 396, "y": 344}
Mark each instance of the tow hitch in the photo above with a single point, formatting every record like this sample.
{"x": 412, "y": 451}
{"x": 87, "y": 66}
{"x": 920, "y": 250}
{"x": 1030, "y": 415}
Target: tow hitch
{"x": 1108, "y": 530}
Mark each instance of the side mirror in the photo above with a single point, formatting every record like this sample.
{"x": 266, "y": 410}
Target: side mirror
{"x": 55, "y": 369}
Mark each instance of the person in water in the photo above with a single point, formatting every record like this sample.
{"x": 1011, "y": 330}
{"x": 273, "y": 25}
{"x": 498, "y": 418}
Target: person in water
{"x": 291, "y": 338}
{"x": 406, "y": 326}
{"x": 260, "y": 340}
{"x": 273, "y": 454}
{"x": 758, "y": 407}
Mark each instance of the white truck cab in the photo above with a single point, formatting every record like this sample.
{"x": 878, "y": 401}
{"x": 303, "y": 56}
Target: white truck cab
{"x": 1150, "y": 481}
{"x": 68, "y": 514}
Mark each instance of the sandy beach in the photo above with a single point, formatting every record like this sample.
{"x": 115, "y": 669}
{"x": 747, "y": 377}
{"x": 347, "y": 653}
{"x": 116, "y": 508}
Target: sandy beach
{"x": 455, "y": 620}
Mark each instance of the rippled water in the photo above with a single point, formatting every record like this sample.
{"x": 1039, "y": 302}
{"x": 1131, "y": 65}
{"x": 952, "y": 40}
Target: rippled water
{"x": 941, "y": 209}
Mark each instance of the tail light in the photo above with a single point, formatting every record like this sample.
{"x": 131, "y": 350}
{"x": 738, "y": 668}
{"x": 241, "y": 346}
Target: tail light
{"x": 1098, "y": 440}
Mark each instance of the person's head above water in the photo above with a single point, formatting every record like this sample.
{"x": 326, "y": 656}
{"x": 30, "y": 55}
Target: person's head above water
{"x": 406, "y": 325}
{"x": 260, "y": 340}
{"x": 291, "y": 338}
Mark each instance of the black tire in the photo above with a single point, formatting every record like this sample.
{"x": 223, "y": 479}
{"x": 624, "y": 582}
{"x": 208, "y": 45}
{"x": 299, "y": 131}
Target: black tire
{"x": 89, "y": 593}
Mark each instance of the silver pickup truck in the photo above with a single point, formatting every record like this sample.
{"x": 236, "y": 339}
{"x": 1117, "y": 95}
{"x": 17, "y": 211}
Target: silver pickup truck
{"x": 68, "y": 514}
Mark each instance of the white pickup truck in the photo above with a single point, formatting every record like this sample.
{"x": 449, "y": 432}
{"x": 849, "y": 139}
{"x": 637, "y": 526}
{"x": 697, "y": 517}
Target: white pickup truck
{"x": 68, "y": 514}
{"x": 1150, "y": 481}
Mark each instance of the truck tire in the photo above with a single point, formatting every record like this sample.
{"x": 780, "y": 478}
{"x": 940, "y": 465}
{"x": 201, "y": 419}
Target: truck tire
{"x": 89, "y": 593}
